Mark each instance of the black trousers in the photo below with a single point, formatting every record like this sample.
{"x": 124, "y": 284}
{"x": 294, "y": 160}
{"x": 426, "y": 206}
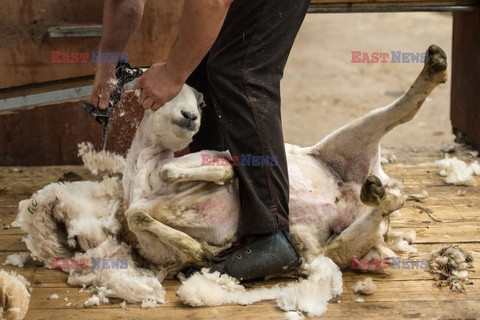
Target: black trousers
{"x": 240, "y": 80}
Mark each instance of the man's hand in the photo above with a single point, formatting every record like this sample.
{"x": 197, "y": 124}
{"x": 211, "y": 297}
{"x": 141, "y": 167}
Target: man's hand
{"x": 120, "y": 19}
{"x": 159, "y": 85}
{"x": 199, "y": 25}
{"x": 103, "y": 85}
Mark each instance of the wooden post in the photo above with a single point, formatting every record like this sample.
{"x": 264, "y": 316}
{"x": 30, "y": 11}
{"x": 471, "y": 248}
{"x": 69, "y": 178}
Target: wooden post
{"x": 465, "y": 97}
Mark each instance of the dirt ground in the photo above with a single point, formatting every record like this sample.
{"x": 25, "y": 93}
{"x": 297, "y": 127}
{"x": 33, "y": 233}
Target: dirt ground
{"x": 322, "y": 90}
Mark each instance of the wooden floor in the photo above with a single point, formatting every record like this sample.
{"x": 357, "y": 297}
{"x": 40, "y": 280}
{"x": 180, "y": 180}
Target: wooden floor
{"x": 400, "y": 293}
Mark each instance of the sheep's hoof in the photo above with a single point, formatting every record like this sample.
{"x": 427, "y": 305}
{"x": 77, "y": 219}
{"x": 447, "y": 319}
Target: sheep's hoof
{"x": 194, "y": 253}
{"x": 436, "y": 64}
{"x": 372, "y": 192}
{"x": 168, "y": 175}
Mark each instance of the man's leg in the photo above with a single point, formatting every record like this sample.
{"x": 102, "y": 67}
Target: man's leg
{"x": 244, "y": 69}
{"x": 209, "y": 137}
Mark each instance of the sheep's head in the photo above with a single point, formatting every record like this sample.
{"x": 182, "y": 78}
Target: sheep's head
{"x": 175, "y": 123}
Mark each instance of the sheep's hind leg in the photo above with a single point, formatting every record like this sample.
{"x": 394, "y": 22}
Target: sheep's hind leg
{"x": 364, "y": 233}
{"x": 188, "y": 249}
{"x": 353, "y": 150}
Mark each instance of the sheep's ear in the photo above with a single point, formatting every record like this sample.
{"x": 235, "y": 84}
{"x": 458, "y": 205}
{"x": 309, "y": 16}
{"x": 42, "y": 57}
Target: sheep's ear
{"x": 200, "y": 101}
{"x": 199, "y": 97}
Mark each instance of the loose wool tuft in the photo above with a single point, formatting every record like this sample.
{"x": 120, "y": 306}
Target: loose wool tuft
{"x": 132, "y": 284}
{"x": 402, "y": 241}
{"x": 17, "y": 259}
{"x": 100, "y": 161}
{"x": 294, "y": 315}
{"x": 365, "y": 287}
{"x": 14, "y": 296}
{"x": 66, "y": 217}
{"x": 308, "y": 295}
{"x": 457, "y": 171}
{"x": 450, "y": 265}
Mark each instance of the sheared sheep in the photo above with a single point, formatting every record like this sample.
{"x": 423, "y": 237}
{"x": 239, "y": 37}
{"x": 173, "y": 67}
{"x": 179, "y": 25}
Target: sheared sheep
{"x": 175, "y": 211}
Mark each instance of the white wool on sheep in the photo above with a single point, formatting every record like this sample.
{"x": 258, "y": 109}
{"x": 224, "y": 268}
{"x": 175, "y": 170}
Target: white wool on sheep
{"x": 53, "y": 296}
{"x": 457, "y": 171}
{"x": 308, "y": 295}
{"x": 100, "y": 161}
{"x": 17, "y": 259}
{"x": 366, "y": 287}
{"x": 132, "y": 283}
{"x": 14, "y": 295}
{"x": 91, "y": 208}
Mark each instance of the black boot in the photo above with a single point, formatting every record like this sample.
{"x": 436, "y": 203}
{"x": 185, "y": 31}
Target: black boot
{"x": 258, "y": 257}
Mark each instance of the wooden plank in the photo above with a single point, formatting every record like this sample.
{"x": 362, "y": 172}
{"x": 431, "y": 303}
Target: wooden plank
{"x": 403, "y": 275}
{"x": 441, "y": 233}
{"x": 394, "y": 300}
{"x": 404, "y": 293}
{"x": 47, "y": 278}
{"x": 379, "y": 310}
{"x": 386, "y": 292}
{"x": 12, "y": 243}
{"x": 7, "y": 216}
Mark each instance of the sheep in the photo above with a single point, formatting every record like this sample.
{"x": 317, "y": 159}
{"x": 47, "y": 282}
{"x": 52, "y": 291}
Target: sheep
{"x": 168, "y": 210}
{"x": 339, "y": 212}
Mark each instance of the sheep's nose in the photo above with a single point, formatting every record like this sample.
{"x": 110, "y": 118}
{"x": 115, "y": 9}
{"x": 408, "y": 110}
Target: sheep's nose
{"x": 189, "y": 116}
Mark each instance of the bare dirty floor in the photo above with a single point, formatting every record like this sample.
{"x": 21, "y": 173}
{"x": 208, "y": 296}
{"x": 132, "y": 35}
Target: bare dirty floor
{"x": 400, "y": 294}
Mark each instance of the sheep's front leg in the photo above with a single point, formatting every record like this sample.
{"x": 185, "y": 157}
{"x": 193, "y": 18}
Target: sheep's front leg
{"x": 365, "y": 232}
{"x": 188, "y": 250}
{"x": 200, "y": 166}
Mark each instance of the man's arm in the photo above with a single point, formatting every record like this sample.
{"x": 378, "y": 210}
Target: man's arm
{"x": 199, "y": 26}
{"x": 120, "y": 19}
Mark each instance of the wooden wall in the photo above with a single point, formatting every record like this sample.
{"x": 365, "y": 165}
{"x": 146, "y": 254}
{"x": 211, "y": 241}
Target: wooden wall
{"x": 25, "y": 46}
{"x": 48, "y": 135}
